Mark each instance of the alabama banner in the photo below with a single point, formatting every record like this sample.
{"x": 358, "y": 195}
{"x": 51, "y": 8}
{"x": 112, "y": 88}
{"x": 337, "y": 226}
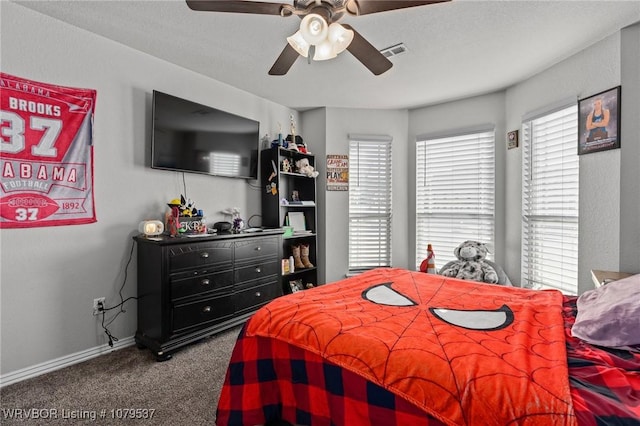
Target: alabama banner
{"x": 46, "y": 154}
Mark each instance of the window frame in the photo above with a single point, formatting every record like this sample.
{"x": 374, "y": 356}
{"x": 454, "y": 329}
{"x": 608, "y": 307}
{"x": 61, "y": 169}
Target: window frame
{"x": 361, "y": 252}
{"x": 438, "y": 209}
{"x": 549, "y": 258}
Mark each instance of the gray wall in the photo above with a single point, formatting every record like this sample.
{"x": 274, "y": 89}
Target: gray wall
{"x": 630, "y": 151}
{"x": 314, "y": 123}
{"x": 338, "y": 123}
{"x": 50, "y": 276}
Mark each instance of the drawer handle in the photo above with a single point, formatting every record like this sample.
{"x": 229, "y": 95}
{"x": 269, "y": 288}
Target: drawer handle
{"x": 204, "y": 255}
{"x": 205, "y": 281}
{"x": 258, "y": 270}
{"x": 258, "y": 248}
{"x": 258, "y": 294}
{"x": 206, "y": 309}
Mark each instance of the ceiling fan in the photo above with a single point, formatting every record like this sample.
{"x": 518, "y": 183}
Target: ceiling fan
{"x": 320, "y": 35}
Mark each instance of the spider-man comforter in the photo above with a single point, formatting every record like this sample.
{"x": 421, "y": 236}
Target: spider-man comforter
{"x": 395, "y": 347}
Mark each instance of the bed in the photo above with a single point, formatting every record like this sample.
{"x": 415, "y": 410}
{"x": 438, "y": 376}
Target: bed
{"x": 398, "y": 347}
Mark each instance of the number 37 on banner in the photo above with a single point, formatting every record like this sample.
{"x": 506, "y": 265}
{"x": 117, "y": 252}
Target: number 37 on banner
{"x": 46, "y": 154}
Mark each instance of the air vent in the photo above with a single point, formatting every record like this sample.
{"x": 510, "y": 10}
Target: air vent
{"x": 394, "y": 50}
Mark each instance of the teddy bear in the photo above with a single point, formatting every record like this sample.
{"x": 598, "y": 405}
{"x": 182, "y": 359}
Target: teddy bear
{"x": 305, "y": 168}
{"x": 471, "y": 264}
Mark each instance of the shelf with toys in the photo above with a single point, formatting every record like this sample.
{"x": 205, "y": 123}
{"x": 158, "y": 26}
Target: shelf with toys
{"x": 289, "y": 200}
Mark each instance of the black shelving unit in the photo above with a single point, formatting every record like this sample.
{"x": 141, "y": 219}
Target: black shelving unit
{"x": 279, "y": 185}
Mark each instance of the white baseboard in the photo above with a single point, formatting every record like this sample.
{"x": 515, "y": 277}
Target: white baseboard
{"x": 65, "y": 361}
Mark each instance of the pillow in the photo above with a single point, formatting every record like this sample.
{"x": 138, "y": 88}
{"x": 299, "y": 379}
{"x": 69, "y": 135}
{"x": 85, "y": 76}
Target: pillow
{"x": 610, "y": 314}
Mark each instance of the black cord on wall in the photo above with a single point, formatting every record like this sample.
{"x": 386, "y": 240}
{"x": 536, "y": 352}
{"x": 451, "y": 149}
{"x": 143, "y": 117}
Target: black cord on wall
{"x": 120, "y": 305}
{"x": 184, "y": 186}
{"x": 251, "y": 217}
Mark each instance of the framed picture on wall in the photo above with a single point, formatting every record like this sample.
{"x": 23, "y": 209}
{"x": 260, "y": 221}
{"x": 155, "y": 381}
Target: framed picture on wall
{"x": 599, "y": 122}
{"x": 512, "y": 139}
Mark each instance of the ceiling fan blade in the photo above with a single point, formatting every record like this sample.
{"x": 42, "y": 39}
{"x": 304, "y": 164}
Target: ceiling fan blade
{"x": 284, "y": 61}
{"x": 366, "y": 7}
{"x": 237, "y": 6}
{"x": 366, "y": 53}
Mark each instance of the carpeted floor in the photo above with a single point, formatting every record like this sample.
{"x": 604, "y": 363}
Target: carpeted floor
{"x": 181, "y": 391}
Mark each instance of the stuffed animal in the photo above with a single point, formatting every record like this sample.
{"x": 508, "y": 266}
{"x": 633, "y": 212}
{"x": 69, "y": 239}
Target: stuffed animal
{"x": 305, "y": 168}
{"x": 471, "y": 264}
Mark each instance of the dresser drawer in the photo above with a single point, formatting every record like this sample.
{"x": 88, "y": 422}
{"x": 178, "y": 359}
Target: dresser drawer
{"x": 257, "y": 248}
{"x": 198, "y": 282}
{"x": 200, "y": 254}
{"x": 203, "y": 312}
{"x": 252, "y": 298}
{"x": 257, "y": 270}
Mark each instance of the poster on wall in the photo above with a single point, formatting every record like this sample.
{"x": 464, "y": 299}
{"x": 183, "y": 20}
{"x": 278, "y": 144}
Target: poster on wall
{"x": 337, "y": 172}
{"x": 46, "y": 154}
{"x": 599, "y": 122}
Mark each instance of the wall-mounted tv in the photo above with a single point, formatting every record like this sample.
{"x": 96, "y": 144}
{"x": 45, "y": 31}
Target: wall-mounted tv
{"x": 195, "y": 138}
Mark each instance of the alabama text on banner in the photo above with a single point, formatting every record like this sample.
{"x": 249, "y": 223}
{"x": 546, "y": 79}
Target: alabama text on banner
{"x": 46, "y": 154}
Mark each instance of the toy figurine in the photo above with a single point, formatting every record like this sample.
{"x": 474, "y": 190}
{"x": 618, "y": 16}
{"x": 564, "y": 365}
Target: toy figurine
{"x": 186, "y": 208}
{"x": 429, "y": 264}
{"x": 293, "y": 128}
{"x": 238, "y": 224}
{"x": 286, "y": 165}
{"x": 172, "y": 221}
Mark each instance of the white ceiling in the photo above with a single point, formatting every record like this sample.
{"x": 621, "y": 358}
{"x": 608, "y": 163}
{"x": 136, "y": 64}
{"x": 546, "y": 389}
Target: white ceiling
{"x": 455, "y": 50}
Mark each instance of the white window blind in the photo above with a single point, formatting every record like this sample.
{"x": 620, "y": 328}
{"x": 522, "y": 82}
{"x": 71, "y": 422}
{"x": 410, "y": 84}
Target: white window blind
{"x": 369, "y": 204}
{"x": 455, "y": 187}
{"x": 550, "y": 201}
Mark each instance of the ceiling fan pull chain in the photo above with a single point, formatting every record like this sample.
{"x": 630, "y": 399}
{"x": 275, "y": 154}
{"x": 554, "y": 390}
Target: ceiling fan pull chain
{"x": 312, "y": 51}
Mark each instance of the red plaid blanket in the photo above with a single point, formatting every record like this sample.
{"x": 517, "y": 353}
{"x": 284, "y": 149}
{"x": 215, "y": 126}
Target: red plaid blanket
{"x": 269, "y": 379}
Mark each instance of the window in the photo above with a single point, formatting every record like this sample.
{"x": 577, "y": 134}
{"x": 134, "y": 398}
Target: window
{"x": 455, "y": 186}
{"x": 550, "y": 201}
{"x": 369, "y": 203}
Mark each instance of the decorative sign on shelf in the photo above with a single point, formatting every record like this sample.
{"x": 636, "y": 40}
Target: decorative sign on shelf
{"x": 46, "y": 155}
{"x": 337, "y": 172}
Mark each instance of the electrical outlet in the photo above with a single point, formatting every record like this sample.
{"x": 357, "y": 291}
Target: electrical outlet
{"x": 98, "y": 305}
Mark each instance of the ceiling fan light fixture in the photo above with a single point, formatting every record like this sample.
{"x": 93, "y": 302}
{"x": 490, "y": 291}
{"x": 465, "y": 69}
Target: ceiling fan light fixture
{"x": 317, "y": 15}
{"x": 314, "y": 28}
{"x": 325, "y": 50}
{"x": 299, "y": 44}
{"x": 340, "y": 37}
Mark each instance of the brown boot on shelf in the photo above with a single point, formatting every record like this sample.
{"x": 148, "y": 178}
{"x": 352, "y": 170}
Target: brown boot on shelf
{"x": 304, "y": 256}
{"x": 297, "y": 262}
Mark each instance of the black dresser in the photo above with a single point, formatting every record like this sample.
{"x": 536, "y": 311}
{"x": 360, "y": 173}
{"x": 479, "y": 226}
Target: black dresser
{"x": 192, "y": 287}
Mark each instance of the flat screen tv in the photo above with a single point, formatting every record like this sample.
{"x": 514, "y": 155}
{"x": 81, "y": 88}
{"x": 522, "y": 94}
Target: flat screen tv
{"x": 195, "y": 138}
